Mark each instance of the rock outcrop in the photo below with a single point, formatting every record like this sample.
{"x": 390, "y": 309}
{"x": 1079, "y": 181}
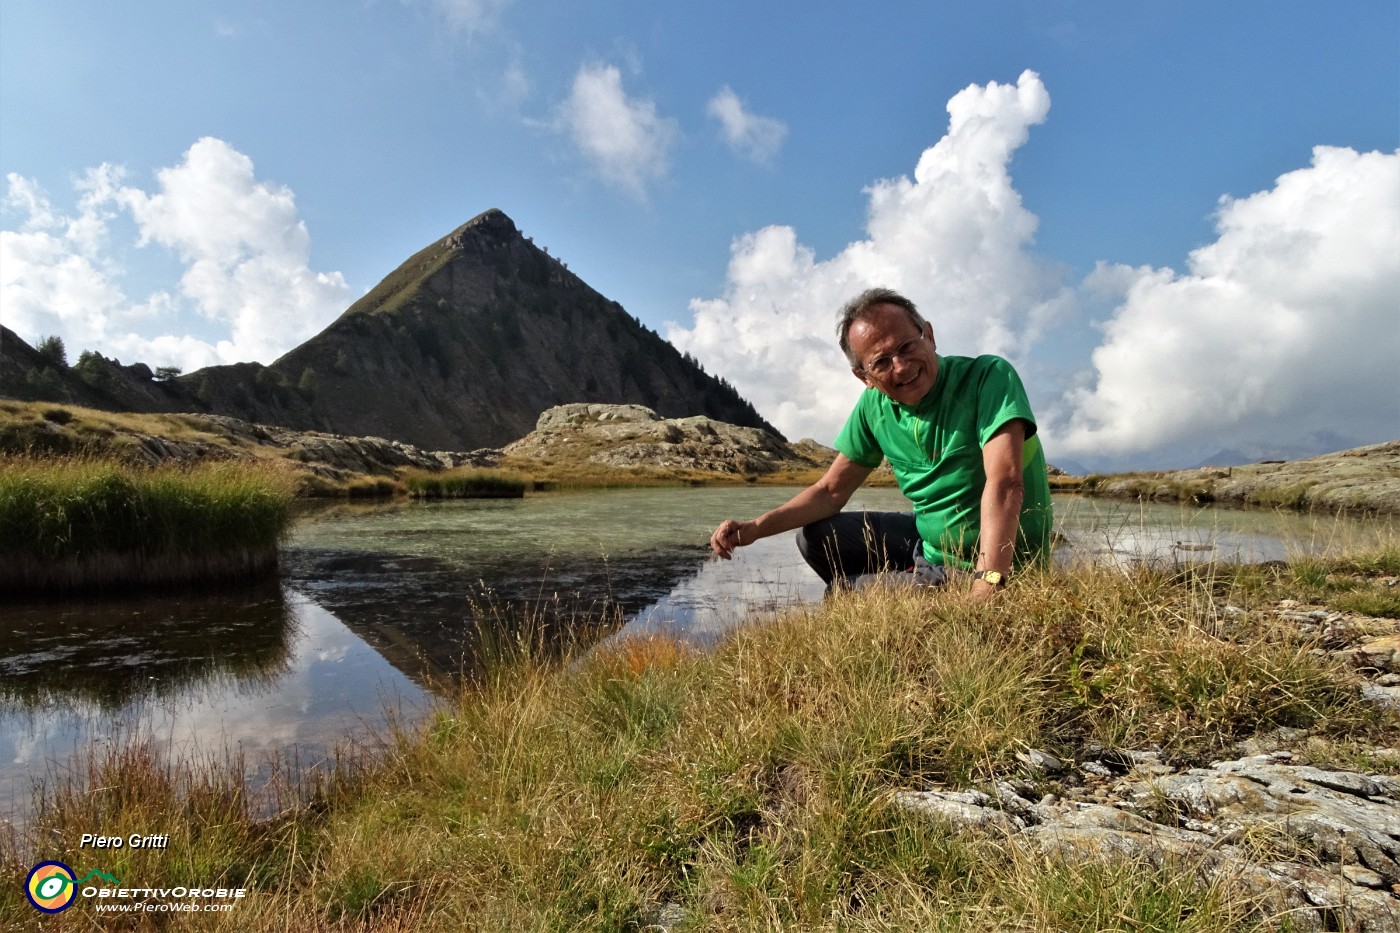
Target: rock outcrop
{"x": 617, "y": 436}
{"x": 1365, "y": 479}
{"x": 1317, "y": 845}
{"x": 631, "y": 436}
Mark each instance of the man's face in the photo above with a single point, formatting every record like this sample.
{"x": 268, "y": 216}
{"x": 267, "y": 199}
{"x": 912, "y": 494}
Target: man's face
{"x": 895, "y": 356}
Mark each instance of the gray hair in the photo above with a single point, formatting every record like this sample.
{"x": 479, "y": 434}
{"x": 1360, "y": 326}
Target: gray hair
{"x": 859, "y": 308}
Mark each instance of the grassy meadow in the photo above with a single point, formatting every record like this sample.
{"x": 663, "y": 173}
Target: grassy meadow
{"x": 749, "y": 787}
{"x": 46, "y": 428}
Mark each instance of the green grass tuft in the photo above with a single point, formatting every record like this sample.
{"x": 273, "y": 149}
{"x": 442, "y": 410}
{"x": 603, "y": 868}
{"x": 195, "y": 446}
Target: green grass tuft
{"x": 72, "y": 521}
{"x": 463, "y": 484}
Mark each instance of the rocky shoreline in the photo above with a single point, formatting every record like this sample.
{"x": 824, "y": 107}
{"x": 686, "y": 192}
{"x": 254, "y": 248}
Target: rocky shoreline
{"x": 633, "y": 439}
{"x": 1365, "y": 479}
{"x": 617, "y": 437}
{"x": 195, "y": 438}
{"x": 1318, "y": 845}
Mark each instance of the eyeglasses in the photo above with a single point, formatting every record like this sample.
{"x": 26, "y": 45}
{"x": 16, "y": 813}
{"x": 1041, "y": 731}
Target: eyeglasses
{"x": 883, "y": 365}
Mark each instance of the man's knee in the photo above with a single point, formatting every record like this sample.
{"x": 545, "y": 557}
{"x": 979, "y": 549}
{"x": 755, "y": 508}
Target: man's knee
{"x": 809, "y": 538}
{"x": 817, "y": 543}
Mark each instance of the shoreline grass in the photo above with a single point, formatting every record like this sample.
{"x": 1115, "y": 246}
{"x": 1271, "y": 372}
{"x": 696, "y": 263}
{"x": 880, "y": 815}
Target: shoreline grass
{"x": 463, "y": 484}
{"x": 75, "y": 522}
{"x": 749, "y": 786}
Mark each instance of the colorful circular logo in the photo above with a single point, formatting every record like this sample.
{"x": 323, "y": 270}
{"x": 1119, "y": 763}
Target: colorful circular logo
{"x": 50, "y": 887}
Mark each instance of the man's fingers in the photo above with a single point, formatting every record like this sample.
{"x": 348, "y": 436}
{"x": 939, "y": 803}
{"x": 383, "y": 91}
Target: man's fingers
{"x": 725, "y": 539}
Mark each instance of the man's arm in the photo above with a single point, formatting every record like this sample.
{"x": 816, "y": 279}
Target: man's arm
{"x": 822, "y": 499}
{"x": 1001, "y": 501}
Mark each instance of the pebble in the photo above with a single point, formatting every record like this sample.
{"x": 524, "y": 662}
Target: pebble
{"x": 663, "y": 918}
{"x": 1382, "y": 696}
{"x": 1043, "y": 761}
{"x": 1358, "y": 874}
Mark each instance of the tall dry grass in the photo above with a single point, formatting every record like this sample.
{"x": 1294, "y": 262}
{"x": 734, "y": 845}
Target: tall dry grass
{"x": 76, "y": 521}
{"x": 463, "y": 484}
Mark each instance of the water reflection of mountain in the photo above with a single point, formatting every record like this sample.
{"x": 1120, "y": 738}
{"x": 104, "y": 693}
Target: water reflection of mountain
{"x": 426, "y": 616}
{"x": 113, "y": 651}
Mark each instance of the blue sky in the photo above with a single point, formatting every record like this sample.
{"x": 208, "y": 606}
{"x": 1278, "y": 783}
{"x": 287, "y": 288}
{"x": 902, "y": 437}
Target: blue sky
{"x": 189, "y": 183}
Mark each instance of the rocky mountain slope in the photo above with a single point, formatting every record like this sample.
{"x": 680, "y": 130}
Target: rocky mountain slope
{"x": 461, "y": 347}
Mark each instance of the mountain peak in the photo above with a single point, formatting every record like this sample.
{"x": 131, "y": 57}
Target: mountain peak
{"x": 461, "y": 347}
{"x": 469, "y": 339}
{"x": 492, "y": 222}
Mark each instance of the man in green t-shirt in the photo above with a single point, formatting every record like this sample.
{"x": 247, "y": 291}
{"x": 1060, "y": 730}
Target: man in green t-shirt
{"x": 961, "y": 439}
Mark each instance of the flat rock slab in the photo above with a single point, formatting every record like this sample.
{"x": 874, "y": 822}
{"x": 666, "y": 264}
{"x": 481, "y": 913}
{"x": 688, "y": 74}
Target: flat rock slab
{"x": 1231, "y": 823}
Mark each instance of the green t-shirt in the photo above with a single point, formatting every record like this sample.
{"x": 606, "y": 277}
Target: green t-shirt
{"x": 935, "y": 449}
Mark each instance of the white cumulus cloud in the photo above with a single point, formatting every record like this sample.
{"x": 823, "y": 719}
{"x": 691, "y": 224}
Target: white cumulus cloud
{"x": 1282, "y": 333}
{"x": 1286, "y": 328}
{"x": 624, "y": 139}
{"x": 244, "y": 252}
{"x": 752, "y": 136}
{"x": 55, "y": 274}
{"x": 955, "y": 238}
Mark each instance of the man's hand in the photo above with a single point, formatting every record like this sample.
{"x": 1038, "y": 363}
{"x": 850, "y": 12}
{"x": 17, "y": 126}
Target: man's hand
{"x": 730, "y": 535}
{"x": 822, "y": 499}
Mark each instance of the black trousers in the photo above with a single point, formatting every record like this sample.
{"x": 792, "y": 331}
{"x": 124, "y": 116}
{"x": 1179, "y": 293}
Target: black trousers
{"x": 851, "y": 545}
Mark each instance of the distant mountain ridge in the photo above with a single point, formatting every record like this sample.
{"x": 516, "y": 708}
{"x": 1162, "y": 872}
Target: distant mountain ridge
{"x": 461, "y": 347}
{"x": 1315, "y": 446}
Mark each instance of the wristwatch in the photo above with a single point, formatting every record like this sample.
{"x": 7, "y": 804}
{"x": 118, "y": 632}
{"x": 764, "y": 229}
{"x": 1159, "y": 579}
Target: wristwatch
{"x": 994, "y": 577}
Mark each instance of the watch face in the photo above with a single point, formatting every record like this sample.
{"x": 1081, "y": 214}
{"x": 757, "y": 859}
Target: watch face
{"x": 993, "y": 577}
